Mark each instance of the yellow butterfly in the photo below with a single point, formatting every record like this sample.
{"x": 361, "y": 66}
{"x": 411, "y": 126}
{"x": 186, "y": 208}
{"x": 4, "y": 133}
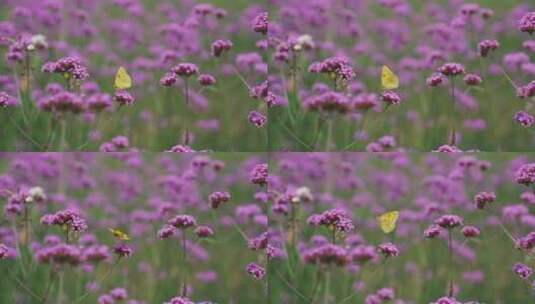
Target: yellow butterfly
{"x": 122, "y": 79}
{"x": 387, "y": 221}
{"x": 119, "y": 234}
{"x": 389, "y": 80}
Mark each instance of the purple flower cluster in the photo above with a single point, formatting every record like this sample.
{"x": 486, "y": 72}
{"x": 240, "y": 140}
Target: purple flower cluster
{"x": 217, "y": 198}
{"x": 472, "y": 80}
{"x": 185, "y": 69}
{"x": 388, "y": 250}
{"x": 117, "y": 144}
{"x": 337, "y": 67}
{"x": 260, "y": 23}
{"x": 204, "y": 231}
{"x": 522, "y": 270}
{"x": 63, "y": 102}
{"x": 4, "y": 252}
{"x": 486, "y": 46}
{"x": 67, "y": 219}
{"x": 116, "y": 294}
{"x": 525, "y": 175}
{"x": 432, "y": 231}
{"x": 7, "y": 100}
{"x": 60, "y": 254}
{"x": 526, "y": 91}
{"x": 362, "y": 254}
{"x": 391, "y": 98}
{"x": 122, "y": 250}
{"x": 259, "y": 174}
{"x": 470, "y": 231}
{"x": 527, "y": 23}
{"x": 328, "y": 102}
{"x": 220, "y": 47}
{"x": 182, "y": 221}
{"x": 257, "y": 119}
{"x": 452, "y": 69}
{"x": 123, "y": 98}
{"x": 447, "y": 300}
{"x": 179, "y": 300}
{"x": 96, "y": 253}
{"x": 483, "y": 198}
{"x": 326, "y": 254}
{"x": 256, "y": 271}
{"x": 334, "y": 219}
{"x": 449, "y": 221}
{"x": 68, "y": 67}
{"x": 526, "y": 242}
{"x": 99, "y": 102}
{"x": 382, "y": 144}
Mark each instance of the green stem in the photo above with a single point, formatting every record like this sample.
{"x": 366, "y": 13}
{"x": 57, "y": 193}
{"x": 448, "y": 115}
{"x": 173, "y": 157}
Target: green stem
{"x": 316, "y": 284}
{"x": 186, "y": 93}
{"x": 63, "y": 142}
{"x": 26, "y": 226}
{"x": 24, "y": 133}
{"x": 18, "y": 247}
{"x": 452, "y": 118}
{"x": 26, "y": 288}
{"x": 183, "y": 264}
{"x": 19, "y": 96}
{"x": 450, "y": 262}
{"x": 60, "y": 288}
{"x": 327, "y": 293}
{"x": 51, "y": 280}
{"x": 334, "y": 236}
{"x": 329, "y": 144}
{"x": 100, "y": 281}
{"x": 292, "y": 226}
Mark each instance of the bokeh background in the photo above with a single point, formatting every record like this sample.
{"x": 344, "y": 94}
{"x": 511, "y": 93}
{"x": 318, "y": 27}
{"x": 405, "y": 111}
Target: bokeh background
{"x": 136, "y": 193}
{"x": 108, "y": 34}
{"x": 422, "y": 187}
{"x": 370, "y": 34}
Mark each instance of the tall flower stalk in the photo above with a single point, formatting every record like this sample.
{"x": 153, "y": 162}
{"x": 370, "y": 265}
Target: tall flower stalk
{"x": 448, "y": 222}
{"x": 179, "y": 223}
{"x": 452, "y": 70}
{"x": 183, "y": 265}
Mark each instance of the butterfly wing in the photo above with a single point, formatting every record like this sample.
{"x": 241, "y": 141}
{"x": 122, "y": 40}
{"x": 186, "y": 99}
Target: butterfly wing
{"x": 119, "y": 234}
{"x": 389, "y": 80}
{"x": 122, "y": 79}
{"x": 387, "y": 222}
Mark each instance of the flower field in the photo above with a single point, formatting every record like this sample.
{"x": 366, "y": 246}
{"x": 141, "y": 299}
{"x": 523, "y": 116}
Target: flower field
{"x": 462, "y": 230}
{"x": 91, "y": 228}
{"x": 380, "y": 75}
{"x": 267, "y": 151}
{"x": 190, "y": 73}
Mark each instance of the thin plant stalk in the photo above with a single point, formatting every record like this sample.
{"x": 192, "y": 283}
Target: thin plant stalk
{"x": 19, "y": 97}
{"x": 186, "y": 96}
{"x": 329, "y": 142}
{"x": 60, "y": 287}
{"x": 63, "y": 133}
{"x": 452, "y": 119}
{"x": 294, "y": 224}
{"x": 183, "y": 264}
{"x": 327, "y": 293}
{"x": 450, "y": 264}
{"x": 334, "y": 236}
{"x": 100, "y": 281}
{"x": 51, "y": 281}
{"x": 18, "y": 247}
